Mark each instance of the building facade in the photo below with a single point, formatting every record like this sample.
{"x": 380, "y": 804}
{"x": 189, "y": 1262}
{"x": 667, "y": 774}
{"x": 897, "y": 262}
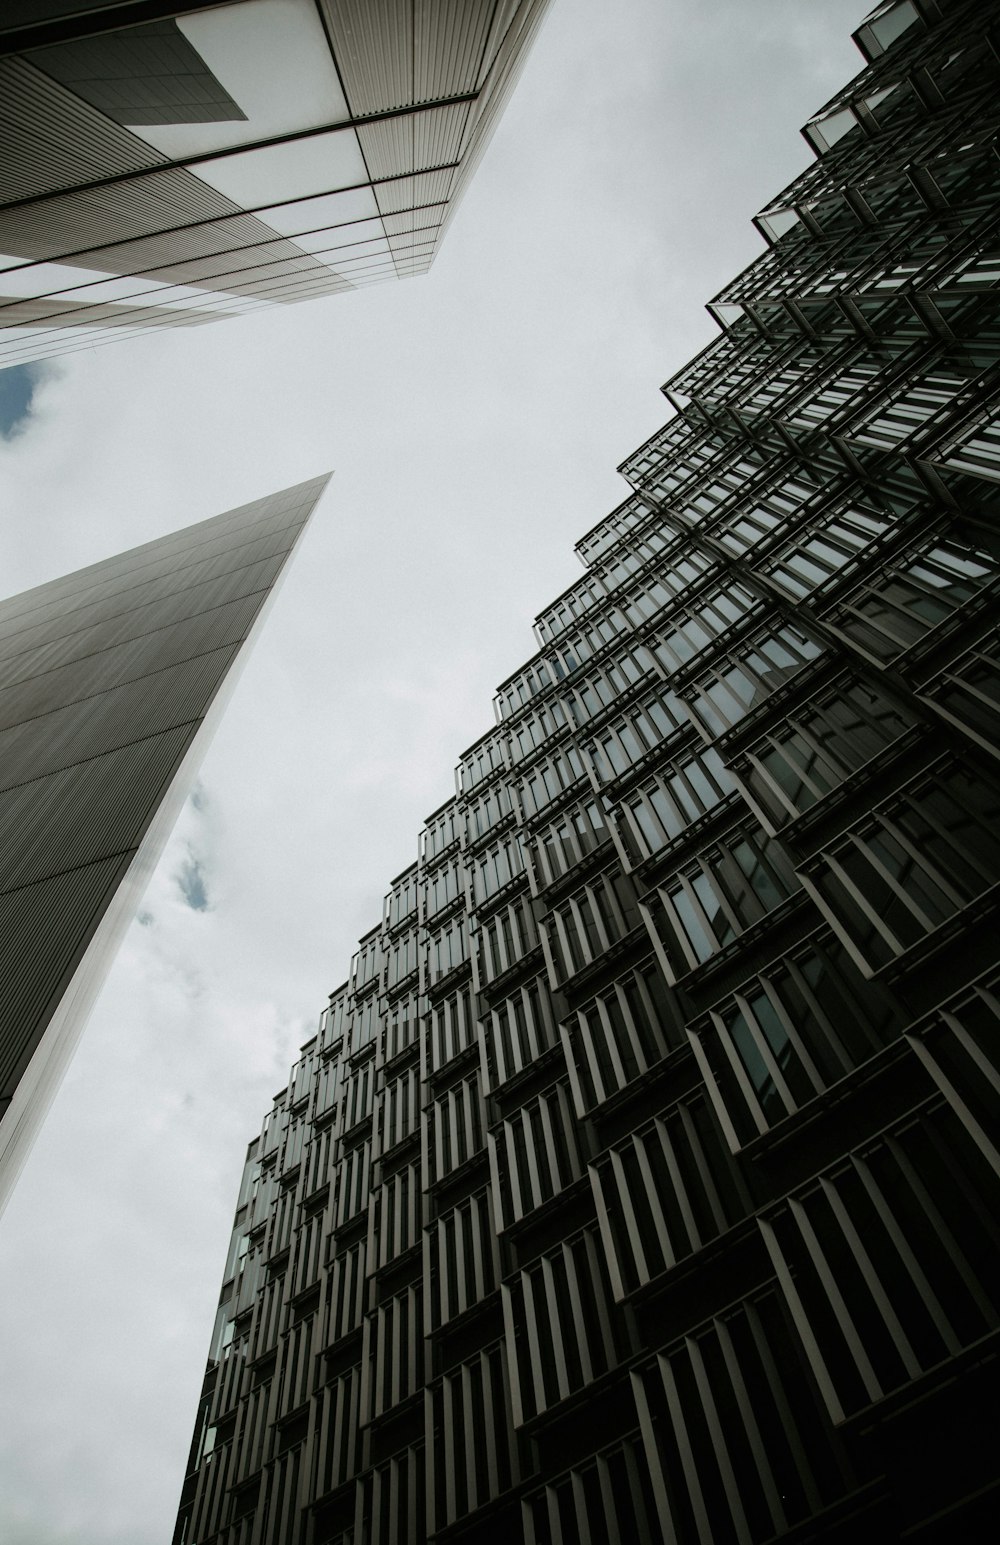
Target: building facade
{"x": 111, "y": 682}
{"x": 167, "y": 165}
{"x": 641, "y": 1182}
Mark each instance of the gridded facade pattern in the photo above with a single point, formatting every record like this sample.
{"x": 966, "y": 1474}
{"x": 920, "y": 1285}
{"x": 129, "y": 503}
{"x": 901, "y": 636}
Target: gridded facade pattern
{"x": 203, "y": 161}
{"x": 641, "y": 1182}
{"x": 107, "y": 678}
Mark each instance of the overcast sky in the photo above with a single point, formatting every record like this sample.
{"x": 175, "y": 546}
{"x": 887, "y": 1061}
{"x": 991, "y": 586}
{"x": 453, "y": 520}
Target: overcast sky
{"x": 473, "y": 420}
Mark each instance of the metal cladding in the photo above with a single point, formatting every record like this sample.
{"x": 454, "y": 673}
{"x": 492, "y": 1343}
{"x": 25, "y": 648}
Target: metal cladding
{"x": 218, "y": 159}
{"x": 641, "y": 1183}
{"x": 107, "y": 679}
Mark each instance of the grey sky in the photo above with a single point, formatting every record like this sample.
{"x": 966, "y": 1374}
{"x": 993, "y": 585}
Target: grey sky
{"x": 473, "y": 420}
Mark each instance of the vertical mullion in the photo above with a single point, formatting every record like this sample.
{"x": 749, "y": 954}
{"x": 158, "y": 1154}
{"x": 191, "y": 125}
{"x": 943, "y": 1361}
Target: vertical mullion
{"x": 745, "y": 1406}
{"x": 730, "y": 1486}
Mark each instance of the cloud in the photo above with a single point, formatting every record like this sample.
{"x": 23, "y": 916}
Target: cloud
{"x": 18, "y": 387}
{"x": 191, "y": 880}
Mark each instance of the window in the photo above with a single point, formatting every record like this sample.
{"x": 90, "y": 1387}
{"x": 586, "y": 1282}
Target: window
{"x": 788, "y": 1034}
{"x": 442, "y": 886}
{"x": 905, "y": 1229}
{"x": 521, "y": 1027}
{"x": 816, "y": 559}
{"x": 547, "y": 779}
{"x": 620, "y": 1034}
{"x": 447, "y": 949}
{"x": 631, "y": 737}
{"x": 926, "y": 590}
{"x": 506, "y": 937}
{"x": 487, "y": 811}
{"x": 699, "y": 627}
{"x": 585, "y": 926}
{"x": 734, "y": 689}
{"x": 665, "y": 807}
{"x": 568, "y": 839}
{"x": 903, "y": 873}
{"x": 712, "y": 902}
{"x": 819, "y": 746}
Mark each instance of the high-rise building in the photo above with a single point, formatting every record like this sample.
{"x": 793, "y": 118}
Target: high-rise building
{"x": 169, "y": 164}
{"x": 112, "y": 680}
{"x": 641, "y": 1181}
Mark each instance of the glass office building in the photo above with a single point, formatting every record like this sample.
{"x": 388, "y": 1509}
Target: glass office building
{"x": 166, "y": 165}
{"x": 111, "y": 682}
{"x": 640, "y": 1183}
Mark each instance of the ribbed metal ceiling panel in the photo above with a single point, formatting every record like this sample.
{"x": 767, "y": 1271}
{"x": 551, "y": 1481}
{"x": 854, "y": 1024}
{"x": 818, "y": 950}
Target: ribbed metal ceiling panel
{"x": 388, "y": 147}
{"x": 393, "y": 53}
{"x": 449, "y": 37}
{"x": 131, "y": 589}
{"x": 513, "y": 44}
{"x": 76, "y": 313}
{"x": 73, "y": 222}
{"x": 504, "y": 15}
{"x": 373, "y": 47}
{"x": 405, "y": 192}
{"x": 439, "y": 134}
{"x": 414, "y": 220}
{"x": 201, "y": 255}
{"x": 128, "y": 661}
{"x": 50, "y": 140}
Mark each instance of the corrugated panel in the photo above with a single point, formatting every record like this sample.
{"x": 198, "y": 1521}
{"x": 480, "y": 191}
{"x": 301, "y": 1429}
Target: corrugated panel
{"x": 199, "y": 255}
{"x": 388, "y": 147}
{"x": 101, "y": 734}
{"x": 439, "y": 134}
{"x": 159, "y": 702}
{"x": 50, "y": 140}
{"x": 206, "y": 539}
{"x": 161, "y": 609}
{"x": 405, "y": 192}
{"x": 137, "y": 590}
{"x": 91, "y": 217}
{"x": 414, "y": 245}
{"x": 415, "y": 141}
{"x": 414, "y": 220}
{"x": 225, "y": 624}
{"x": 75, "y": 313}
{"x": 176, "y": 566}
{"x": 92, "y": 810}
{"x": 283, "y": 292}
{"x": 44, "y": 930}
{"x": 449, "y": 39}
{"x": 514, "y": 41}
{"x": 505, "y": 16}
{"x": 373, "y": 48}
{"x": 145, "y": 74}
{"x": 128, "y": 661}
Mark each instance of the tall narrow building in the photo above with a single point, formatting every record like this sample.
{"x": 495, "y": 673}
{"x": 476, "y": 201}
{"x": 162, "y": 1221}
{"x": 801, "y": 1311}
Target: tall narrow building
{"x": 641, "y": 1181}
{"x": 167, "y": 165}
{"x": 111, "y": 682}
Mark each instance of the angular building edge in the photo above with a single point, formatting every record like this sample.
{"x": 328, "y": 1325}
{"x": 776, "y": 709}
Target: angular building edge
{"x": 86, "y": 972}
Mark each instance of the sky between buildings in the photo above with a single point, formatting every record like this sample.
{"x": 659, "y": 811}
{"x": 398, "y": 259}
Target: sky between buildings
{"x": 473, "y": 419}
